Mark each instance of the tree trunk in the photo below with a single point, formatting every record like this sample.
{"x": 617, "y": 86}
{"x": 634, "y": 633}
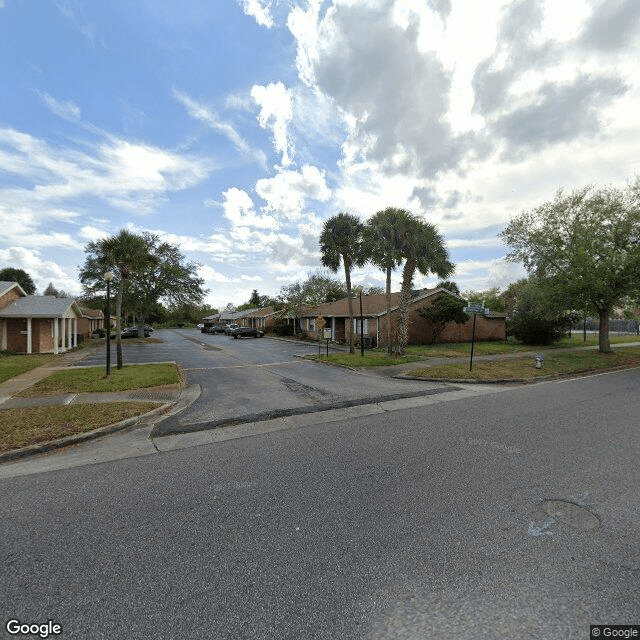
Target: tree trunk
{"x": 347, "y": 275}
{"x": 603, "y": 332}
{"x": 119, "y": 325}
{"x": 389, "y": 345}
{"x": 403, "y": 307}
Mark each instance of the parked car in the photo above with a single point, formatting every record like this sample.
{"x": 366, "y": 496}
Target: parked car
{"x": 200, "y": 326}
{"x": 215, "y": 328}
{"x": 230, "y": 327}
{"x": 132, "y": 332}
{"x": 246, "y": 332}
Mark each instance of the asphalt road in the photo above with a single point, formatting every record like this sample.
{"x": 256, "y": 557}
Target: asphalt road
{"x": 253, "y": 376}
{"x": 511, "y": 515}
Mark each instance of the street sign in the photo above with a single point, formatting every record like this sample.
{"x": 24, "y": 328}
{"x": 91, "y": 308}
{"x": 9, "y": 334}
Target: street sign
{"x": 474, "y": 307}
{"x": 320, "y": 322}
{"x": 327, "y": 334}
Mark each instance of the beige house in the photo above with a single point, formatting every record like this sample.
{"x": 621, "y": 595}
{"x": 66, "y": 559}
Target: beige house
{"x": 375, "y": 319}
{"x": 36, "y": 324}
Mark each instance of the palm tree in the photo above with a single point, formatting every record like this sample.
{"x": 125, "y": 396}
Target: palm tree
{"x": 422, "y": 248}
{"x": 123, "y": 254}
{"x": 382, "y": 243}
{"x": 341, "y": 238}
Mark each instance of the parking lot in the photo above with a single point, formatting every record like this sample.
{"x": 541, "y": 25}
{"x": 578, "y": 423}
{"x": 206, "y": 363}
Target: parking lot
{"x": 252, "y": 376}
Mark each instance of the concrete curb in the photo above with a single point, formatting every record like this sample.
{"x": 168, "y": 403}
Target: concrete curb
{"x": 555, "y": 376}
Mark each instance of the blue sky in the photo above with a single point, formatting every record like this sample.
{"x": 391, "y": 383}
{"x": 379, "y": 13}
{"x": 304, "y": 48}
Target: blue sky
{"x": 234, "y": 128}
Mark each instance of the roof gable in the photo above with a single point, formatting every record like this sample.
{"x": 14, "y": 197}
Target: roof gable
{"x": 5, "y": 287}
{"x": 41, "y": 307}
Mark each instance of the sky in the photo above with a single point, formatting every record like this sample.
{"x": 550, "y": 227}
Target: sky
{"x": 235, "y": 128}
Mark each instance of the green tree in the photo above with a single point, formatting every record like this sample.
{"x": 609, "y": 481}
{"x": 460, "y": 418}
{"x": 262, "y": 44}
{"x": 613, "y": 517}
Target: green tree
{"x": 423, "y": 250}
{"x": 491, "y": 298}
{"x": 534, "y": 318}
{"x": 123, "y": 254}
{"x": 163, "y": 276}
{"x": 585, "y": 245}
{"x": 341, "y": 239}
{"x": 9, "y": 274}
{"x": 445, "y": 309}
{"x": 449, "y": 285}
{"x": 254, "y": 300}
{"x": 382, "y": 246}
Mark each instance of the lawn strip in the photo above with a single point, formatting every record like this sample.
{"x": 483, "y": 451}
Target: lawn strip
{"x": 12, "y": 365}
{"x": 23, "y": 427}
{"x": 524, "y": 368}
{"x": 92, "y": 380}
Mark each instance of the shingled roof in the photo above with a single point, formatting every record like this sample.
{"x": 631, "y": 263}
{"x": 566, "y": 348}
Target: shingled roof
{"x": 40, "y": 307}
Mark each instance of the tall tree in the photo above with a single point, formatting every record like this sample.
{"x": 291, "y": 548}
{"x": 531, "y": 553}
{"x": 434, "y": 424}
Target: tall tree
{"x": 122, "y": 254}
{"x": 341, "y": 239}
{"x": 382, "y": 246}
{"x": 9, "y": 274}
{"x": 585, "y": 245}
{"x": 423, "y": 250}
{"x": 162, "y": 276}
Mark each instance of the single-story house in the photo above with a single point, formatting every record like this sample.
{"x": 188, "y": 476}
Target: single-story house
{"x": 36, "y": 324}
{"x": 90, "y": 321}
{"x": 264, "y": 318}
{"x": 375, "y": 318}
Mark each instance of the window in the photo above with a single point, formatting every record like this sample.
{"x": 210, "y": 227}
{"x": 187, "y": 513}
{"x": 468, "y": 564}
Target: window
{"x": 356, "y": 324}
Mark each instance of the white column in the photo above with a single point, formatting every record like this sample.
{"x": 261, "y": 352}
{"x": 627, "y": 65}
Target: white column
{"x": 75, "y": 331}
{"x": 68, "y": 321}
{"x": 29, "y": 336}
{"x": 56, "y": 335}
{"x": 333, "y": 328}
{"x": 5, "y": 331}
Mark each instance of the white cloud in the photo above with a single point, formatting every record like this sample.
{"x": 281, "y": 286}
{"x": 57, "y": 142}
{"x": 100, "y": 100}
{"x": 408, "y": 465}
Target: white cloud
{"x": 238, "y": 208}
{"x": 276, "y": 113}
{"x": 258, "y": 9}
{"x": 210, "y": 118}
{"x": 287, "y": 193}
{"x": 65, "y": 109}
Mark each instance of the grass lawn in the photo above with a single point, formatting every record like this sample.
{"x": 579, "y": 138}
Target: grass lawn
{"x": 554, "y": 364}
{"x": 370, "y": 359}
{"x": 457, "y": 350}
{"x": 22, "y": 427}
{"x": 13, "y": 365}
{"x": 92, "y": 379}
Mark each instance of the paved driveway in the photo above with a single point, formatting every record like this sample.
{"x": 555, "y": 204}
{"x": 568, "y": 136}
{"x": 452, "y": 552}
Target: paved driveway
{"x": 252, "y": 376}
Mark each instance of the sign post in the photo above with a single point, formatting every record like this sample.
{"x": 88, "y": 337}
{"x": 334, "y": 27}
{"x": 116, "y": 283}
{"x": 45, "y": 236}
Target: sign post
{"x": 320, "y": 322}
{"x": 474, "y": 308}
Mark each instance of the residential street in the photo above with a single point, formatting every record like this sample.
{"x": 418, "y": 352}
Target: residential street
{"x": 511, "y": 514}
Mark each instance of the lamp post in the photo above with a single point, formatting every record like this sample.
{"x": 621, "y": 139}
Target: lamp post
{"x": 108, "y": 276}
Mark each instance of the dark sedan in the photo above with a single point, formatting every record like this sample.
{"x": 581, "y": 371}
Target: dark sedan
{"x": 246, "y": 332}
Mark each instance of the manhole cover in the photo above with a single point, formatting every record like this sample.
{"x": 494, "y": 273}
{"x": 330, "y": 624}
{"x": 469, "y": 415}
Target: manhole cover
{"x": 571, "y": 514}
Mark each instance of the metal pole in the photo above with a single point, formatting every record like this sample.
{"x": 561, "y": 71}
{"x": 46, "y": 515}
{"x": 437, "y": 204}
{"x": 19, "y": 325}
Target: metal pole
{"x": 361, "y": 329}
{"x": 473, "y": 339}
{"x": 108, "y": 330}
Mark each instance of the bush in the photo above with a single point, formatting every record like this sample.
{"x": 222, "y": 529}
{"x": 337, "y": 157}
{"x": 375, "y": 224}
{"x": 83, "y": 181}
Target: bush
{"x": 282, "y": 329}
{"x": 533, "y": 329}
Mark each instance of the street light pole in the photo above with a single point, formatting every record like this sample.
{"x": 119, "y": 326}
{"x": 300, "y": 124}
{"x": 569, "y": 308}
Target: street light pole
{"x": 108, "y": 276}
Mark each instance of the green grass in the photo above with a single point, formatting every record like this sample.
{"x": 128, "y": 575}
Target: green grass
{"x": 12, "y": 365}
{"x": 23, "y": 427}
{"x": 495, "y": 347}
{"x": 557, "y": 364}
{"x": 92, "y": 379}
{"x": 369, "y": 359}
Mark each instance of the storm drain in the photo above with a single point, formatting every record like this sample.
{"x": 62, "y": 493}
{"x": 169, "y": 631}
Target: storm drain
{"x": 572, "y": 514}
{"x": 158, "y": 396}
